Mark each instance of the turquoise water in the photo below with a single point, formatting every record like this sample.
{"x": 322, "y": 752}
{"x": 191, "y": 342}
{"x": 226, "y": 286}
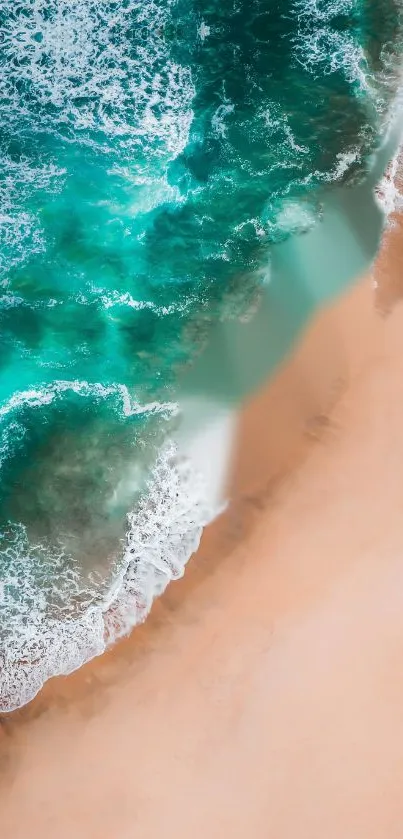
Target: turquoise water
{"x": 156, "y": 158}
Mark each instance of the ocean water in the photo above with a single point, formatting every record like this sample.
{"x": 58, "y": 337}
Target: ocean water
{"x": 161, "y": 163}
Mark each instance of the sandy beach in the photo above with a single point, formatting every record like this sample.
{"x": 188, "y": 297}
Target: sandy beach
{"x": 263, "y": 695}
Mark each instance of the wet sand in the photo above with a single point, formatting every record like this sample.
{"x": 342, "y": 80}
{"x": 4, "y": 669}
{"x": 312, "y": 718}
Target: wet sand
{"x": 263, "y": 695}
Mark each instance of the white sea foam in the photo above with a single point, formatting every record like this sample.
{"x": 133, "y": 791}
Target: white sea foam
{"x": 21, "y": 232}
{"x": 115, "y": 298}
{"x": 218, "y": 120}
{"x": 35, "y": 644}
{"x": 323, "y": 50}
{"x": 323, "y": 10}
{"x": 73, "y": 68}
{"x": 41, "y": 640}
{"x": 36, "y": 397}
{"x": 163, "y": 533}
{"x": 79, "y": 57}
{"x": 203, "y": 30}
{"x": 294, "y": 217}
{"x": 43, "y": 632}
{"x": 389, "y": 193}
{"x": 276, "y": 120}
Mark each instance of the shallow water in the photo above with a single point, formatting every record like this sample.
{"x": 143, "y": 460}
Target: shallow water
{"x": 159, "y": 163}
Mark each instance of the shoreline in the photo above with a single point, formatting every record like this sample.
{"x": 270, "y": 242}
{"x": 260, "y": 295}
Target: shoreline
{"x": 206, "y": 437}
{"x": 264, "y": 689}
{"x": 297, "y": 417}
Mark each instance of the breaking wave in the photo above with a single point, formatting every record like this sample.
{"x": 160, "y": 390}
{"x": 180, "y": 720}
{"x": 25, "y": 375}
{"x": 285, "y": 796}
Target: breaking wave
{"x": 40, "y": 590}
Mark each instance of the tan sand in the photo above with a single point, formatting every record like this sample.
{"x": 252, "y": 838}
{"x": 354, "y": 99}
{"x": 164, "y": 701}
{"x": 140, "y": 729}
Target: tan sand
{"x": 263, "y": 697}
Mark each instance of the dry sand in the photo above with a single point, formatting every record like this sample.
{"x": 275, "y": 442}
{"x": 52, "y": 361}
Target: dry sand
{"x": 264, "y": 695}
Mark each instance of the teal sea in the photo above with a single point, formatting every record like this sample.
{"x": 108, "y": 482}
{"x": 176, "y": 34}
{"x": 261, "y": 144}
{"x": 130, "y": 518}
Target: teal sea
{"x": 156, "y": 156}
